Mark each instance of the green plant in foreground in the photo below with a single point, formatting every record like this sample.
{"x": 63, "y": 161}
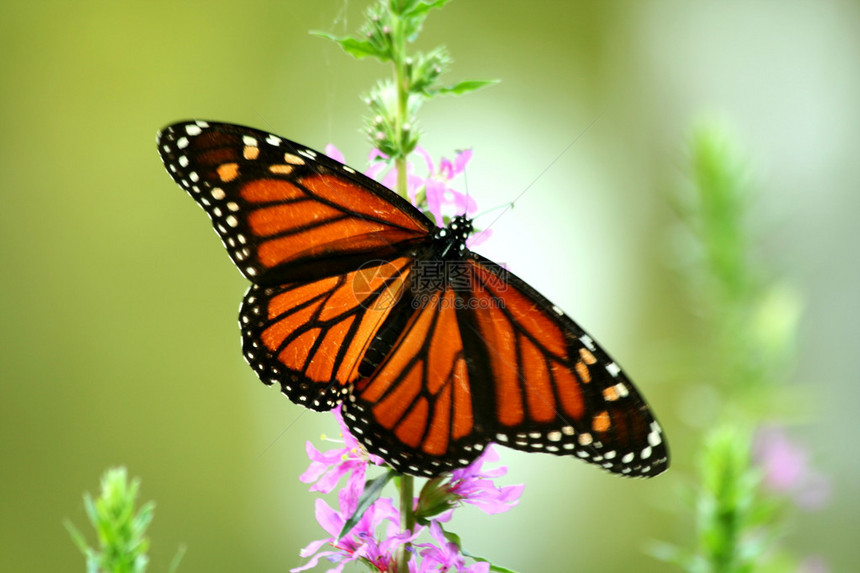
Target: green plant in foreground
{"x": 390, "y": 27}
{"x": 746, "y": 464}
{"x": 120, "y": 528}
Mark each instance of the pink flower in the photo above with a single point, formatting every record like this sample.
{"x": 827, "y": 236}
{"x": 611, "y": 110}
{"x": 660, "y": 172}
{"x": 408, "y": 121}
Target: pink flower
{"x": 445, "y": 555}
{"x": 472, "y": 484}
{"x": 813, "y": 564}
{"x": 334, "y": 153}
{"x": 475, "y": 486}
{"x": 440, "y": 200}
{"x": 786, "y": 469}
{"x": 328, "y": 467}
{"x": 361, "y": 542}
{"x": 439, "y": 195}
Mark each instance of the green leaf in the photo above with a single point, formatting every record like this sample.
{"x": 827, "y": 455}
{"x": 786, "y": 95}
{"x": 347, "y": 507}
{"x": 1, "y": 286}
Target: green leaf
{"x": 354, "y": 47}
{"x": 371, "y": 493}
{"x": 77, "y": 537}
{"x": 463, "y": 87}
{"x": 493, "y": 567}
{"x": 174, "y": 563}
{"x": 421, "y": 8}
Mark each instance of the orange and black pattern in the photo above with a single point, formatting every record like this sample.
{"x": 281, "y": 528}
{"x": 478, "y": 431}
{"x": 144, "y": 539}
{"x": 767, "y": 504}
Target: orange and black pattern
{"x": 340, "y": 312}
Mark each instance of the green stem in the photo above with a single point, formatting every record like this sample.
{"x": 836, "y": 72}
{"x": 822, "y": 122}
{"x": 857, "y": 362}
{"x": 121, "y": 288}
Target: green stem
{"x": 401, "y": 82}
{"x": 407, "y": 519}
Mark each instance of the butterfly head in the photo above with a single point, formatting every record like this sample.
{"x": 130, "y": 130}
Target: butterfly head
{"x": 455, "y": 234}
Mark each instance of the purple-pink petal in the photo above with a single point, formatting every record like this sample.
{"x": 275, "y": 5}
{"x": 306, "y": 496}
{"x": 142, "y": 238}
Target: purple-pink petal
{"x": 474, "y": 485}
{"x": 446, "y": 170}
{"x": 461, "y": 160}
{"x": 374, "y": 170}
{"x": 428, "y": 161}
{"x": 330, "y": 479}
{"x": 465, "y": 204}
{"x": 435, "y": 191}
{"x": 445, "y": 555}
{"x": 329, "y": 519}
{"x": 782, "y": 461}
{"x": 334, "y": 153}
{"x": 314, "y": 560}
{"x": 390, "y": 179}
{"x": 375, "y": 154}
{"x": 787, "y": 471}
{"x": 313, "y": 547}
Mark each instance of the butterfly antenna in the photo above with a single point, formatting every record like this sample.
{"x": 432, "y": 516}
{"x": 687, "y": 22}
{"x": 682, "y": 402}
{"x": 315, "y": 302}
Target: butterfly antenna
{"x": 510, "y": 205}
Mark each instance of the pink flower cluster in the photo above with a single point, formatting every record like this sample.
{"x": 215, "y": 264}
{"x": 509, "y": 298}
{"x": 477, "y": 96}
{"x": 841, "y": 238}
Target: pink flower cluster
{"x": 430, "y": 192}
{"x": 377, "y": 536}
{"x": 786, "y": 469}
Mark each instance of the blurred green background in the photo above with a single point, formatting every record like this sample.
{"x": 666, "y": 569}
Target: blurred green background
{"x": 119, "y": 305}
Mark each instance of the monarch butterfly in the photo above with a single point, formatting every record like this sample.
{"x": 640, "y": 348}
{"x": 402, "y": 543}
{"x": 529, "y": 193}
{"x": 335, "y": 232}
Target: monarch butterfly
{"x": 357, "y": 299}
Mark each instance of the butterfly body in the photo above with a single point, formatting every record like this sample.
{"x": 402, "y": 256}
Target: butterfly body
{"x": 358, "y": 300}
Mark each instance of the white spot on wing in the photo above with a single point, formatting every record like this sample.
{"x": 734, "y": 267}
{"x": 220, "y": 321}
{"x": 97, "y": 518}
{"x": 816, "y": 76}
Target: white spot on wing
{"x": 588, "y": 342}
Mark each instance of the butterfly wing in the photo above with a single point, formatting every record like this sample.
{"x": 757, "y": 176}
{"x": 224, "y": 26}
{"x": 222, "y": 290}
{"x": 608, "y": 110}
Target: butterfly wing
{"x": 491, "y": 359}
{"x": 323, "y": 245}
{"x": 416, "y": 409}
{"x": 284, "y": 212}
{"x": 555, "y": 390}
{"x": 312, "y": 337}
